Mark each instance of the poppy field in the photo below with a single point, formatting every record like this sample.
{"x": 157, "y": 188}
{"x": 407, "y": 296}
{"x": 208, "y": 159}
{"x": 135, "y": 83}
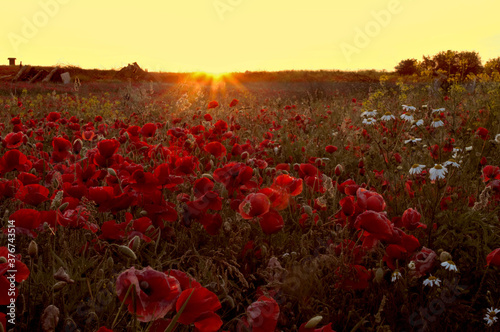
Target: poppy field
{"x": 190, "y": 208}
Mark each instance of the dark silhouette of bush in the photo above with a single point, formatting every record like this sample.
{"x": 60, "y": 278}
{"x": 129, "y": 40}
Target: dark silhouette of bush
{"x": 492, "y": 66}
{"x": 407, "y": 67}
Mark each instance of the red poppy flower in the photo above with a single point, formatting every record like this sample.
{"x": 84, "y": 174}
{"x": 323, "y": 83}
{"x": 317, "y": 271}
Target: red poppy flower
{"x": 370, "y": 200}
{"x": 213, "y": 104}
{"x": 33, "y": 194}
{"x": 356, "y": 278}
{"x": 61, "y": 148}
{"x": 148, "y": 130}
{"x": 165, "y": 179}
{"x": 263, "y": 314}
{"x": 201, "y": 186}
{"x": 254, "y": 205}
{"x": 411, "y": 220}
{"x": 26, "y": 220}
{"x": 28, "y": 178}
{"x": 331, "y": 148}
{"x": 13, "y": 140}
{"x": 482, "y": 133}
{"x": 207, "y": 117}
{"x": 155, "y": 293}
{"x": 233, "y": 103}
{"x": 216, "y": 149}
{"x": 185, "y": 280}
{"x": 491, "y": 172}
{"x": 493, "y": 258}
{"x": 291, "y": 185}
{"x": 108, "y": 147}
{"x": 113, "y": 231}
{"x": 53, "y": 116}
{"x": 348, "y": 206}
{"x": 375, "y": 223}
{"x": 233, "y": 175}
{"x": 12, "y": 160}
{"x": 199, "y": 309}
{"x": 211, "y": 222}
{"x": 22, "y": 270}
{"x": 220, "y": 127}
{"x": 424, "y": 260}
{"x": 271, "y": 222}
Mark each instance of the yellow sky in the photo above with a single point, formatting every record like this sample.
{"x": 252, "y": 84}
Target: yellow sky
{"x": 239, "y": 35}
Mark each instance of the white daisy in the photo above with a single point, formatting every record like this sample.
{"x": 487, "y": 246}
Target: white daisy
{"x": 442, "y": 109}
{"x": 497, "y": 138}
{"x": 450, "y": 266}
{"x": 419, "y": 123}
{"x": 432, "y": 281}
{"x": 451, "y": 162}
{"x": 369, "y": 121}
{"x": 413, "y": 140}
{"x": 437, "y": 172}
{"x": 396, "y": 275}
{"x": 416, "y": 169}
{"x": 491, "y": 316}
{"x": 406, "y": 117}
{"x": 387, "y": 116}
{"x": 437, "y": 123}
{"x": 456, "y": 152}
{"x": 370, "y": 114}
{"x": 468, "y": 148}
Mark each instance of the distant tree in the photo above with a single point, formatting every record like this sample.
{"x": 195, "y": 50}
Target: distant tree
{"x": 468, "y": 63}
{"x": 492, "y": 66}
{"x": 446, "y": 62}
{"x": 407, "y": 67}
{"x": 457, "y": 64}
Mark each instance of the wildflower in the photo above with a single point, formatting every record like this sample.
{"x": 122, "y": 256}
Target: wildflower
{"x": 437, "y": 172}
{"x": 497, "y": 138}
{"x": 451, "y": 162}
{"x": 409, "y": 108}
{"x": 437, "y": 123}
{"x": 449, "y": 265}
{"x": 419, "y": 123}
{"x": 387, "y": 116}
{"x": 468, "y": 148}
{"x": 438, "y": 110}
{"x": 407, "y": 117}
{"x": 396, "y": 275}
{"x": 432, "y": 281}
{"x": 413, "y": 140}
{"x": 416, "y": 169}
{"x": 369, "y": 121}
{"x": 370, "y": 113}
{"x": 456, "y": 152}
{"x": 491, "y": 316}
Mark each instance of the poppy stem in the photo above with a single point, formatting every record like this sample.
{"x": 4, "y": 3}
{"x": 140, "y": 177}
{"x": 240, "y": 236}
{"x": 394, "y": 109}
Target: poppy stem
{"x": 121, "y": 306}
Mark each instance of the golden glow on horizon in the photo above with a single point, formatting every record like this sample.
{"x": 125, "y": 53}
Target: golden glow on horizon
{"x": 220, "y": 36}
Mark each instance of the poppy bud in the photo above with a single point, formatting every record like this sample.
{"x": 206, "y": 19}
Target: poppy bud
{"x": 3, "y": 260}
{"x": 134, "y": 243}
{"x": 110, "y": 262}
{"x": 208, "y": 176}
{"x": 127, "y": 252}
{"x": 33, "y": 249}
{"x": 143, "y": 213}
{"x": 77, "y": 146}
{"x": 63, "y": 206}
{"x": 50, "y": 318}
{"x": 445, "y": 256}
{"x": 112, "y": 172}
{"x": 313, "y": 322}
{"x": 379, "y": 275}
{"x": 339, "y": 169}
{"x": 59, "y": 285}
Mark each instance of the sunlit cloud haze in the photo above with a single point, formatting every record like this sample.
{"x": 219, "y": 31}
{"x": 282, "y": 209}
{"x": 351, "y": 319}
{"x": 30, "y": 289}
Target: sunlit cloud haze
{"x": 239, "y": 35}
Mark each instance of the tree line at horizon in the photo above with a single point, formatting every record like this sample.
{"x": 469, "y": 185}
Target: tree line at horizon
{"x": 449, "y": 65}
